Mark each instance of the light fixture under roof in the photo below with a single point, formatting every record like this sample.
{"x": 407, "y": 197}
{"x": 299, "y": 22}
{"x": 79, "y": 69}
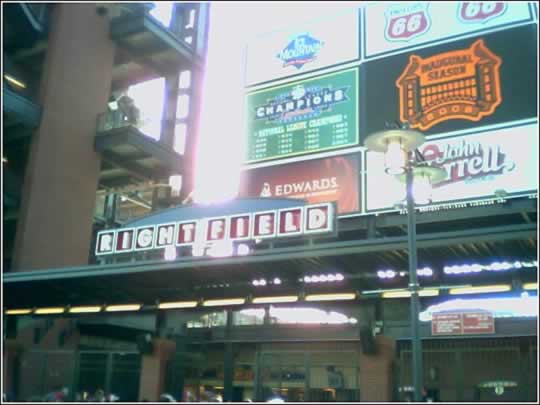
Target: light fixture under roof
{"x": 84, "y": 309}
{"x": 21, "y": 311}
{"x": 275, "y": 300}
{"x": 121, "y": 308}
{"x": 14, "y": 81}
{"x": 480, "y": 289}
{"x": 331, "y": 297}
{"x": 530, "y": 286}
{"x": 425, "y": 292}
{"x": 224, "y": 302}
{"x": 49, "y": 311}
{"x": 177, "y": 304}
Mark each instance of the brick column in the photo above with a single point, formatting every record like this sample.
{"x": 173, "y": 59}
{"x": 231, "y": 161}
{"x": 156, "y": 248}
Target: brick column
{"x": 10, "y": 353}
{"x": 375, "y": 376}
{"x": 153, "y": 369}
{"x": 59, "y": 191}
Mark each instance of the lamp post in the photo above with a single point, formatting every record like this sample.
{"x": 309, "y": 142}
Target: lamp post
{"x": 399, "y": 147}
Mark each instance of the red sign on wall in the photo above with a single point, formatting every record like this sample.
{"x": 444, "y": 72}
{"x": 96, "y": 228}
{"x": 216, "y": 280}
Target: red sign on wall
{"x": 316, "y": 181}
{"x": 462, "y": 323}
{"x": 478, "y": 322}
{"x": 446, "y": 324}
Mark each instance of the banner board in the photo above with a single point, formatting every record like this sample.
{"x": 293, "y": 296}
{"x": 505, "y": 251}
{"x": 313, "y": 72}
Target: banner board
{"x": 462, "y": 323}
{"x": 397, "y": 27}
{"x": 316, "y": 181}
{"x": 474, "y": 82}
{"x": 306, "y": 117}
{"x": 309, "y": 46}
{"x": 477, "y": 166}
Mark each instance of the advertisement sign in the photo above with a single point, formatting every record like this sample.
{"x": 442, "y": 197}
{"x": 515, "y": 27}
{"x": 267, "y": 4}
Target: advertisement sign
{"x": 301, "y": 220}
{"x": 462, "y": 323}
{"x": 307, "y": 47}
{"x": 477, "y": 166}
{"x": 478, "y": 322}
{"x": 306, "y": 117}
{"x": 396, "y": 27}
{"x": 468, "y": 83}
{"x": 458, "y": 84}
{"x": 316, "y": 181}
{"x": 446, "y": 324}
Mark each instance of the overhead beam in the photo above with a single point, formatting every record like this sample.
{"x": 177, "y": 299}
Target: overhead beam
{"x": 142, "y": 58}
{"x": 134, "y": 169}
{"x": 525, "y": 217}
{"x": 511, "y": 207}
{"x": 364, "y": 246}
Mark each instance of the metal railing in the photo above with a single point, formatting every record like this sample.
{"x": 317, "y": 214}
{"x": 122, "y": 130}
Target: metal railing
{"x": 114, "y": 119}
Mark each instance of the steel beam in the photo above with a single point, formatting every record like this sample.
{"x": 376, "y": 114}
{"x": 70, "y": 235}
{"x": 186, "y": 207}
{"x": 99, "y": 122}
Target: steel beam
{"x": 365, "y": 246}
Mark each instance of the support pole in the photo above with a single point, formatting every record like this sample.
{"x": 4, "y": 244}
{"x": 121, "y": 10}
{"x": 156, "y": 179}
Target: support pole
{"x": 228, "y": 375}
{"x": 413, "y": 287}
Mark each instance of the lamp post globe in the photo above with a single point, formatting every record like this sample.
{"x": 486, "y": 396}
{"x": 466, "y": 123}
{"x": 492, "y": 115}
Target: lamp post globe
{"x": 395, "y": 144}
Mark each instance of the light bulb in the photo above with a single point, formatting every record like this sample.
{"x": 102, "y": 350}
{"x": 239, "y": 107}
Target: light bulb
{"x": 395, "y": 157}
{"x": 421, "y": 189}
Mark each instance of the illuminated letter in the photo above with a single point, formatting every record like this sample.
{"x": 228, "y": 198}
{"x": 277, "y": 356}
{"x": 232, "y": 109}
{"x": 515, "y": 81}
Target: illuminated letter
{"x": 316, "y": 219}
{"x": 289, "y": 222}
{"x": 125, "y": 241}
{"x": 144, "y": 238}
{"x": 240, "y": 227}
{"x": 165, "y": 235}
{"x": 216, "y": 229}
{"x": 186, "y": 233}
{"x": 264, "y": 224}
{"x": 105, "y": 244}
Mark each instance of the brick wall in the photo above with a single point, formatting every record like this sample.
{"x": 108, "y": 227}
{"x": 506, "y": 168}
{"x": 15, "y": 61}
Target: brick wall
{"x": 375, "y": 375}
{"x": 153, "y": 369}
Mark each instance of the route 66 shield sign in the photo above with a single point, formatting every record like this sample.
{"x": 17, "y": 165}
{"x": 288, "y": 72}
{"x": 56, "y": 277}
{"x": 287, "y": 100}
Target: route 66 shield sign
{"x": 480, "y": 11}
{"x": 405, "y": 21}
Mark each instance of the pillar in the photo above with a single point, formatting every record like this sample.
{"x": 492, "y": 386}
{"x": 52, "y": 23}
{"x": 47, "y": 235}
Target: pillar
{"x": 228, "y": 361}
{"x": 154, "y": 368}
{"x": 11, "y": 351}
{"x": 59, "y": 192}
{"x": 375, "y": 376}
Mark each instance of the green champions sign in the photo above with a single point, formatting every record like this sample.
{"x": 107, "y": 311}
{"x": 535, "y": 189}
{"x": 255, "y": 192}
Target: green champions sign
{"x": 314, "y": 115}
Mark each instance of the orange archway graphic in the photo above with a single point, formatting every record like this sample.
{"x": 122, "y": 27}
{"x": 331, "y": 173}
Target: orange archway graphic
{"x": 458, "y": 84}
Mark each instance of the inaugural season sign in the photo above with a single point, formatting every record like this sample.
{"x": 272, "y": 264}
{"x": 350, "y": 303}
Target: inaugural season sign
{"x": 286, "y": 222}
{"x": 310, "y": 116}
{"x": 458, "y": 84}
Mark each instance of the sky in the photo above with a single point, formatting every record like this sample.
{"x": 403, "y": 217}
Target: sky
{"x": 222, "y": 134}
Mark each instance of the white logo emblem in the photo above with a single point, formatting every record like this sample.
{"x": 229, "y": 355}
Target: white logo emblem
{"x": 266, "y": 190}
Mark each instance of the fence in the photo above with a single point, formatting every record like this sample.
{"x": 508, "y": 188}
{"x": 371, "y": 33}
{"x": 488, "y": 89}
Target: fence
{"x": 492, "y": 370}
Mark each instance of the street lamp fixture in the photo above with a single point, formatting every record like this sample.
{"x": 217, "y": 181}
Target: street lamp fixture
{"x": 395, "y": 144}
{"x": 424, "y": 177}
{"x": 399, "y": 146}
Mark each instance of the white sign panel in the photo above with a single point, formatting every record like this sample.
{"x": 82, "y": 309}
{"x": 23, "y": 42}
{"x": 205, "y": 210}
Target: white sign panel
{"x": 477, "y": 165}
{"x": 309, "y": 46}
{"x": 395, "y": 27}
